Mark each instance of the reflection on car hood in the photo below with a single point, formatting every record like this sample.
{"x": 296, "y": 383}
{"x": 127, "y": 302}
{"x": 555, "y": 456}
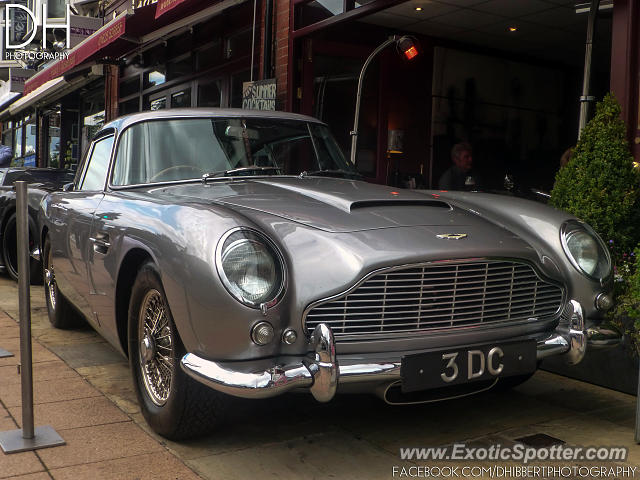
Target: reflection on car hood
{"x": 333, "y": 205}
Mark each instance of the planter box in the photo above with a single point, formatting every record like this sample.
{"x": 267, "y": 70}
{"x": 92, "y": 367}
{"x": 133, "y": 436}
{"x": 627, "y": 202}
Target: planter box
{"x": 615, "y": 368}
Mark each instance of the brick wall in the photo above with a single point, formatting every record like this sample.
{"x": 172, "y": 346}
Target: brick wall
{"x": 281, "y": 28}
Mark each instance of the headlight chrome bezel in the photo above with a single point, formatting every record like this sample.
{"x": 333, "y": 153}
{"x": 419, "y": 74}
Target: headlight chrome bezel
{"x": 571, "y": 226}
{"x": 278, "y": 260}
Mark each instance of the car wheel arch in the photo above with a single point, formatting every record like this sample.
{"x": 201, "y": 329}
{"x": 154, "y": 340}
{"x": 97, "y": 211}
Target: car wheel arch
{"x": 6, "y": 215}
{"x": 129, "y": 267}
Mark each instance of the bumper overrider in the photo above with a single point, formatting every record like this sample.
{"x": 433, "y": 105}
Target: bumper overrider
{"x": 320, "y": 372}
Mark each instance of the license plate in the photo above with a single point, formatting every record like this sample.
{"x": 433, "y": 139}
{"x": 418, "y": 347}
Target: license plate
{"x": 469, "y": 364}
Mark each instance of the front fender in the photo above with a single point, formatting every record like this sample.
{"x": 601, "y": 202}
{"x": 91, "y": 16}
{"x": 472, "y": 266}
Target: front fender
{"x": 539, "y": 225}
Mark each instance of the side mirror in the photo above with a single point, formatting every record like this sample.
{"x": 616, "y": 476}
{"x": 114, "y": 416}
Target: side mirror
{"x": 67, "y": 187}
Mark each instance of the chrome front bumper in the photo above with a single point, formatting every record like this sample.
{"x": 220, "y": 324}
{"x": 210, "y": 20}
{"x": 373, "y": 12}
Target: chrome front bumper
{"x": 320, "y": 372}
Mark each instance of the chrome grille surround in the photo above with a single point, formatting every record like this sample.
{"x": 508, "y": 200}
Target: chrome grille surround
{"x": 442, "y": 295}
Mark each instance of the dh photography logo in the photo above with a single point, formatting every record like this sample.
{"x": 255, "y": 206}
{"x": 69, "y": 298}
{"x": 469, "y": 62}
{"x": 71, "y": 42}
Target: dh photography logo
{"x": 20, "y": 30}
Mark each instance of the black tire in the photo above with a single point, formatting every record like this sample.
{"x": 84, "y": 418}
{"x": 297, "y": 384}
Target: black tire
{"x": 61, "y": 312}
{"x": 10, "y": 250}
{"x": 174, "y": 405}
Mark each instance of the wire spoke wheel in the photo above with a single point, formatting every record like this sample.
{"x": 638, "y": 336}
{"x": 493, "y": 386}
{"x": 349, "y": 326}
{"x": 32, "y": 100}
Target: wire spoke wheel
{"x": 155, "y": 339}
{"x": 50, "y": 282}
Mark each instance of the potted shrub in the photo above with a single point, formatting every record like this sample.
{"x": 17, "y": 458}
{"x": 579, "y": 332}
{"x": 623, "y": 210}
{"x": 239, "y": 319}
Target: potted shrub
{"x": 600, "y": 185}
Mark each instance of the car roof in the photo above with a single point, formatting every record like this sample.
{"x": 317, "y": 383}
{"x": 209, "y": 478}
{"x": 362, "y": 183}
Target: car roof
{"x": 126, "y": 120}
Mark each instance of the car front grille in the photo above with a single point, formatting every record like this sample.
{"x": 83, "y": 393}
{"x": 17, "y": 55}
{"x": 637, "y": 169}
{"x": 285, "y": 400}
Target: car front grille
{"x": 438, "y": 295}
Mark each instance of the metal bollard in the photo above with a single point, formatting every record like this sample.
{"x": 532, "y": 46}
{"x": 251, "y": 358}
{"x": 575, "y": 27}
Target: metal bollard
{"x": 27, "y": 438}
{"x": 24, "y": 303}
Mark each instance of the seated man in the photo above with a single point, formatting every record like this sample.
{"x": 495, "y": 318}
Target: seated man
{"x": 460, "y": 176}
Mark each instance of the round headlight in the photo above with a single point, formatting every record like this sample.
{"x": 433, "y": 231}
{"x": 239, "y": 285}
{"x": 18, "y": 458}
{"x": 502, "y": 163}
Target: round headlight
{"x": 585, "y": 250}
{"x": 250, "y": 267}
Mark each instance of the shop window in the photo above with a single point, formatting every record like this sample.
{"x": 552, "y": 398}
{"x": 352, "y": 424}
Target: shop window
{"x": 210, "y": 94}
{"x": 239, "y": 44}
{"x": 53, "y": 139}
{"x": 209, "y": 56}
{"x": 93, "y": 123}
{"x": 158, "y": 104}
{"x": 236, "y": 87}
{"x": 154, "y": 56}
{"x": 130, "y": 87}
{"x": 56, "y": 9}
{"x": 335, "y": 85}
{"x": 130, "y": 106}
{"x": 181, "y": 99}
{"x": 155, "y": 77}
{"x": 17, "y": 152}
{"x": 178, "y": 45}
{"x": 7, "y": 138}
{"x": 30, "y": 144}
{"x": 180, "y": 68}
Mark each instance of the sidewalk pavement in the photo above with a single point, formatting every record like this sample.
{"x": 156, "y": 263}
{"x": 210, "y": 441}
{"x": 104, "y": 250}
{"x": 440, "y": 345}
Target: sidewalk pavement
{"x": 102, "y": 440}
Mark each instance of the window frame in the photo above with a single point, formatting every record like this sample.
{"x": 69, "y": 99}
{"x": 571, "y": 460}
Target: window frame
{"x": 87, "y": 162}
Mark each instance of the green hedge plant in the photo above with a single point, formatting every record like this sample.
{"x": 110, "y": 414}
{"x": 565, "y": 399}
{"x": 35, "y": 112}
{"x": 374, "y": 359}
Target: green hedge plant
{"x": 599, "y": 184}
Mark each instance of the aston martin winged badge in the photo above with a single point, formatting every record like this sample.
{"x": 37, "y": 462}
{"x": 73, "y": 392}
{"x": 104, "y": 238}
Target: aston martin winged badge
{"x": 452, "y": 236}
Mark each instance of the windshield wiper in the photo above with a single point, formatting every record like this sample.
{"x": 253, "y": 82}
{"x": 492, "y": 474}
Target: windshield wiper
{"x": 224, "y": 173}
{"x": 329, "y": 173}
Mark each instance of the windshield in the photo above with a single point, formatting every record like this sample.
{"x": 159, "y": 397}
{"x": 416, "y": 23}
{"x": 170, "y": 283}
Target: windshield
{"x": 182, "y": 149}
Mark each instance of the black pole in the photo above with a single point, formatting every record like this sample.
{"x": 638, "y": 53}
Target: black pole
{"x": 586, "y": 99}
{"x": 268, "y": 39}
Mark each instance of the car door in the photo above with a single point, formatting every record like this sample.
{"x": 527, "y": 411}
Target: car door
{"x": 73, "y": 214}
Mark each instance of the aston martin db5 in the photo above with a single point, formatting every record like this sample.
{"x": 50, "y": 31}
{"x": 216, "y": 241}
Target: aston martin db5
{"x": 235, "y": 253}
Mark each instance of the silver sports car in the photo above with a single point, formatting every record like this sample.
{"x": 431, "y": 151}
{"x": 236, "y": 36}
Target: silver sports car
{"x": 231, "y": 253}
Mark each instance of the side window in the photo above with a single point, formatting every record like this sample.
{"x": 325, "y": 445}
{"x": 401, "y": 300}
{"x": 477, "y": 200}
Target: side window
{"x": 98, "y": 164}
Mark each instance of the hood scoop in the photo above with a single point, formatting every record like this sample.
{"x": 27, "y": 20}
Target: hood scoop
{"x": 398, "y": 203}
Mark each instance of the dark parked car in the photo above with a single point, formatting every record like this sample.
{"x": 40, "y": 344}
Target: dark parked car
{"x": 41, "y": 182}
{"x": 236, "y": 253}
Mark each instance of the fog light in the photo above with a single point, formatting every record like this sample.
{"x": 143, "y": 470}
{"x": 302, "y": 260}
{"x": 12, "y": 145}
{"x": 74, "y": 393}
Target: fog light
{"x": 289, "y": 336}
{"x": 262, "y": 333}
{"x": 603, "y": 302}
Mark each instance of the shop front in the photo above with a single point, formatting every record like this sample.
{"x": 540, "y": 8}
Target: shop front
{"x": 150, "y": 58}
{"x": 506, "y": 80}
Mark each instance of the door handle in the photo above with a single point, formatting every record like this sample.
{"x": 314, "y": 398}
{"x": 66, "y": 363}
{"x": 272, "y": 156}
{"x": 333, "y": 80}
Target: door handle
{"x": 100, "y": 243}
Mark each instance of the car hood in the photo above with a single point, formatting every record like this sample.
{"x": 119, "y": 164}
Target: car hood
{"x": 334, "y": 205}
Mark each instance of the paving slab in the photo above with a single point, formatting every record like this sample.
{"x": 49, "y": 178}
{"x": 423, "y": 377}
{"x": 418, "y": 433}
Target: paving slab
{"x": 86, "y": 412}
{"x": 10, "y": 331}
{"x": 85, "y": 354}
{"x": 40, "y": 354}
{"x": 114, "y": 380}
{"x": 19, "y": 464}
{"x": 99, "y": 443}
{"x": 51, "y": 370}
{"x": 155, "y": 466}
{"x": 48, "y": 391}
{"x": 33, "y": 476}
{"x": 54, "y": 337}
{"x": 7, "y": 422}
{"x": 318, "y": 456}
